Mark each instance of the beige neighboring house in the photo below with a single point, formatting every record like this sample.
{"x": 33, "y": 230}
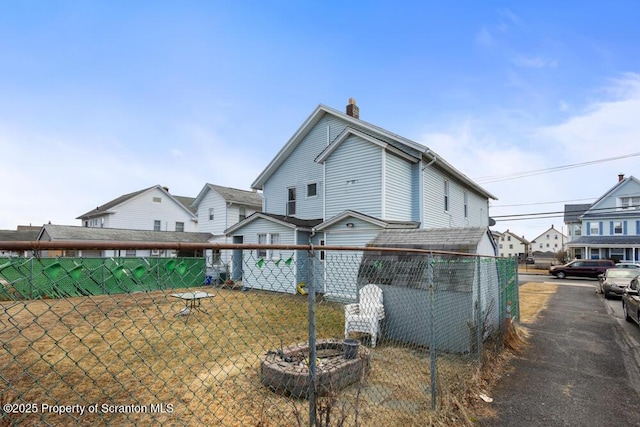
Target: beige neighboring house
{"x": 552, "y": 241}
{"x": 511, "y": 245}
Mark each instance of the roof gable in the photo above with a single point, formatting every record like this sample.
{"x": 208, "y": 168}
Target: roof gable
{"x": 231, "y": 195}
{"x": 287, "y": 221}
{"x": 367, "y": 218}
{"x": 373, "y": 132}
{"x": 109, "y": 206}
{"x": 595, "y": 206}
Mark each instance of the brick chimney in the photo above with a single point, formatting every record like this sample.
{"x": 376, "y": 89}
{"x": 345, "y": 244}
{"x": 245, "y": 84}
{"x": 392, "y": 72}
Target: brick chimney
{"x": 352, "y": 109}
{"x": 620, "y": 177}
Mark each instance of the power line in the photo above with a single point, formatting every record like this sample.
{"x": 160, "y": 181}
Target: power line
{"x": 496, "y": 178}
{"x": 555, "y": 214}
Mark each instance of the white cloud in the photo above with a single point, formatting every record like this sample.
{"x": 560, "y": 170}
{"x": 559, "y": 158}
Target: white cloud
{"x": 484, "y": 37}
{"x": 534, "y": 62}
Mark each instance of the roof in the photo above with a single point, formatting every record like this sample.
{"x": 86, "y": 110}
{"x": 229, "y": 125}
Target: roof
{"x": 232, "y": 195}
{"x": 406, "y": 145}
{"x": 520, "y": 239}
{"x": 288, "y": 221}
{"x": 70, "y": 232}
{"x": 187, "y": 202}
{"x": 619, "y": 184}
{"x": 605, "y": 240}
{"x": 573, "y": 212}
{"x": 368, "y": 218}
{"x": 103, "y": 209}
{"x": 19, "y": 236}
{"x": 464, "y": 239}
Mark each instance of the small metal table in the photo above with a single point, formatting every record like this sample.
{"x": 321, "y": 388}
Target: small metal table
{"x": 192, "y": 301}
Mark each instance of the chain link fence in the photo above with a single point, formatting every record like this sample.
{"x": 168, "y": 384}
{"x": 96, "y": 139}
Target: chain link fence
{"x": 159, "y": 341}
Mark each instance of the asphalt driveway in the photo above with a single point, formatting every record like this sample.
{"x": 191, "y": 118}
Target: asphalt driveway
{"x": 578, "y": 371}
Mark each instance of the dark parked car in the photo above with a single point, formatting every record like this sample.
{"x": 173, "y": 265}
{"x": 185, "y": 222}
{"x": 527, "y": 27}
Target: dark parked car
{"x": 582, "y": 268}
{"x": 631, "y": 301}
{"x": 614, "y": 280}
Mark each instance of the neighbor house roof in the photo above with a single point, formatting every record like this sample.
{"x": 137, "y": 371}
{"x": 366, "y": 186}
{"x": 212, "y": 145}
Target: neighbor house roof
{"x": 54, "y": 232}
{"x": 403, "y": 144}
{"x": 607, "y": 212}
{"x": 19, "y": 235}
{"x": 106, "y": 208}
{"x": 572, "y": 213}
{"x": 232, "y": 195}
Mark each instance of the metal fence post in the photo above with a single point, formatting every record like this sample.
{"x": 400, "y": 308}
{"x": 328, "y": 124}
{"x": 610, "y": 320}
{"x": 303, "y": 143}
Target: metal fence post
{"x": 478, "y": 303}
{"x": 312, "y": 338}
{"x": 432, "y": 326}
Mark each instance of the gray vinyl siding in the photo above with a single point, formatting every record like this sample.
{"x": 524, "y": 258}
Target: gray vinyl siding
{"x": 272, "y": 275}
{"x": 434, "y": 213}
{"x": 398, "y": 189}
{"x": 299, "y": 170}
{"x": 341, "y": 267}
{"x": 354, "y": 178}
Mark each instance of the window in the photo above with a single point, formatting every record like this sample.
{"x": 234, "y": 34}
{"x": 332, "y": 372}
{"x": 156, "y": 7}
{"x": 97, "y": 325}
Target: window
{"x": 594, "y": 228}
{"x": 312, "y": 189}
{"x": 466, "y": 204}
{"x": 262, "y": 240}
{"x": 274, "y": 239}
{"x": 578, "y": 230}
{"x": 446, "y": 196}
{"x": 508, "y": 238}
{"x": 242, "y": 213}
{"x": 595, "y": 253}
{"x": 179, "y": 226}
{"x": 322, "y": 254}
{"x": 555, "y": 237}
{"x": 500, "y": 245}
{"x": 617, "y": 227}
{"x": 156, "y": 225}
{"x": 291, "y": 201}
{"x": 210, "y": 214}
{"x": 511, "y": 246}
{"x": 130, "y": 253}
{"x": 629, "y": 202}
{"x": 157, "y": 200}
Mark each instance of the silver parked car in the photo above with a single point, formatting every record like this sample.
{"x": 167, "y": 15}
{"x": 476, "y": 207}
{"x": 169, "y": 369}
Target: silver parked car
{"x": 614, "y": 280}
{"x": 631, "y": 301}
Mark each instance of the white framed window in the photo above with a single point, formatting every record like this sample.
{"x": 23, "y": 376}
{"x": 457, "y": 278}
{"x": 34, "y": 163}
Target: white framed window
{"x": 594, "y": 229}
{"x": 578, "y": 230}
{"x": 274, "y": 239}
{"x": 262, "y": 240}
{"x": 157, "y": 225}
{"x": 242, "y": 213}
{"x": 179, "y": 226}
{"x": 291, "y": 201}
{"x": 511, "y": 246}
{"x": 617, "y": 227}
{"x": 157, "y": 199}
{"x": 210, "y": 214}
{"x": 629, "y": 203}
{"x": 446, "y": 196}
{"x": 322, "y": 254}
{"x": 312, "y": 189}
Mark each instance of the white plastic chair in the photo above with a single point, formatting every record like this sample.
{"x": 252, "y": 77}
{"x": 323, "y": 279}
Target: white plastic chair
{"x": 365, "y": 316}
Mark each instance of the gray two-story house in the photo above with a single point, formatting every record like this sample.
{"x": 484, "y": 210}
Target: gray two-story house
{"x": 610, "y": 227}
{"x": 341, "y": 181}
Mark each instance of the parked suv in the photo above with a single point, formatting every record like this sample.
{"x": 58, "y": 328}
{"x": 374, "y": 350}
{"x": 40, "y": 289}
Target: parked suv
{"x": 582, "y": 268}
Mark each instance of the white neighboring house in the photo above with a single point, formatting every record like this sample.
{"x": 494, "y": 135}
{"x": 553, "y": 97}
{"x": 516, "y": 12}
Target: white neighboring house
{"x": 152, "y": 209}
{"x": 511, "y": 245}
{"x": 552, "y": 240}
{"x": 219, "y": 208}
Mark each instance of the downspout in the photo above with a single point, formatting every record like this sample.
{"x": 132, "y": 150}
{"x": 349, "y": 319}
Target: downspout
{"x": 421, "y": 186}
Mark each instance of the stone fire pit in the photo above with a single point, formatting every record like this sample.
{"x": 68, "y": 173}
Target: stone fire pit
{"x": 286, "y": 371}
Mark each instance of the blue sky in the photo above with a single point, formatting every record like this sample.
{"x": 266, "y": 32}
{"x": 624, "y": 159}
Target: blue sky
{"x": 102, "y": 98}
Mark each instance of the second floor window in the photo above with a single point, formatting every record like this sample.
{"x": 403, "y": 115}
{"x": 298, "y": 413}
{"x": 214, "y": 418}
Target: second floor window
{"x": 446, "y": 196}
{"x": 617, "y": 227}
{"x": 156, "y": 225}
{"x": 578, "y": 230}
{"x": 291, "y": 201}
{"x": 210, "y": 214}
{"x": 312, "y": 189}
{"x": 629, "y": 202}
{"x": 179, "y": 226}
{"x": 466, "y": 204}
{"x": 242, "y": 213}
{"x": 594, "y": 230}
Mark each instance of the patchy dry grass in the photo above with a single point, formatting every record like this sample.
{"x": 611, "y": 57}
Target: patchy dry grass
{"x": 128, "y": 350}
